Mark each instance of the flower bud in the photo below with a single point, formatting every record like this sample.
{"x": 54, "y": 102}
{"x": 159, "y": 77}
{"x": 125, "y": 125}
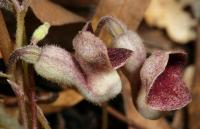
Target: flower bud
{"x": 132, "y": 41}
{"x": 162, "y": 87}
{"x": 40, "y": 33}
{"x": 124, "y": 38}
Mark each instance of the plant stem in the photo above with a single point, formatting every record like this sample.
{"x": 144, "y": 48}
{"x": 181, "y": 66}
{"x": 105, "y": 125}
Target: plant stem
{"x": 21, "y": 102}
{"x": 104, "y": 116}
{"x": 20, "y": 28}
{"x": 19, "y": 43}
{"x": 30, "y": 88}
{"x": 42, "y": 118}
{"x": 120, "y": 116}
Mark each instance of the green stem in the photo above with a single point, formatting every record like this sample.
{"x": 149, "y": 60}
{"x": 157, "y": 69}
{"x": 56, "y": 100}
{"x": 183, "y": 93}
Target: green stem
{"x": 20, "y": 28}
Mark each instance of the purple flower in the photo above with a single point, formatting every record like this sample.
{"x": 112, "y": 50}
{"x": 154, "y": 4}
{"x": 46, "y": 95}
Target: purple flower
{"x": 92, "y": 70}
{"x": 157, "y": 81}
{"x": 162, "y": 87}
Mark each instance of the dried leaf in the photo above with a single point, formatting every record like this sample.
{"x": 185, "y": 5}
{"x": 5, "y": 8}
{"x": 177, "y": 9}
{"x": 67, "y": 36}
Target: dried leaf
{"x": 67, "y": 98}
{"x": 129, "y": 11}
{"x": 194, "y": 107}
{"x": 47, "y": 11}
{"x": 78, "y": 3}
{"x": 169, "y": 14}
{"x": 5, "y": 41}
{"x": 155, "y": 39}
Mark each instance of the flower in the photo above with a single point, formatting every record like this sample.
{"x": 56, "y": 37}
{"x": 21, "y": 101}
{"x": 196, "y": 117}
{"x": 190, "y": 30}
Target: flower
{"x": 162, "y": 87}
{"x": 157, "y": 83}
{"x": 92, "y": 70}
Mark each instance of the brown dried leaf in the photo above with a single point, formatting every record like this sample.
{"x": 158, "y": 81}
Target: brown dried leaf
{"x": 67, "y": 98}
{"x": 47, "y": 11}
{"x": 194, "y": 107}
{"x": 78, "y": 3}
{"x": 5, "y": 41}
{"x": 155, "y": 39}
{"x": 169, "y": 14}
{"x": 128, "y": 11}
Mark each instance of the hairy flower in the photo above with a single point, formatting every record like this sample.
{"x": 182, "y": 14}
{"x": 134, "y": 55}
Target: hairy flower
{"x": 124, "y": 38}
{"x": 156, "y": 82}
{"x": 92, "y": 70}
{"x": 162, "y": 87}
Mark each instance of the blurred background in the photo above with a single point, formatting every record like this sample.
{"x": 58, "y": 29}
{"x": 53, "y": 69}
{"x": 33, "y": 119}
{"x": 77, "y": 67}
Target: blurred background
{"x": 162, "y": 24}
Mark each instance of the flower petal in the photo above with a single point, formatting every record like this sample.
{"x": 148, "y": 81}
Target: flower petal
{"x": 169, "y": 92}
{"x": 118, "y": 56}
{"x": 161, "y": 76}
{"x": 91, "y": 51}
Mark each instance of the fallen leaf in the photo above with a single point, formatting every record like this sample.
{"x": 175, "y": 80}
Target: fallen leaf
{"x": 5, "y": 41}
{"x": 194, "y": 107}
{"x": 48, "y": 11}
{"x": 78, "y": 3}
{"x": 128, "y": 11}
{"x": 67, "y": 98}
{"x": 155, "y": 39}
{"x": 169, "y": 14}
